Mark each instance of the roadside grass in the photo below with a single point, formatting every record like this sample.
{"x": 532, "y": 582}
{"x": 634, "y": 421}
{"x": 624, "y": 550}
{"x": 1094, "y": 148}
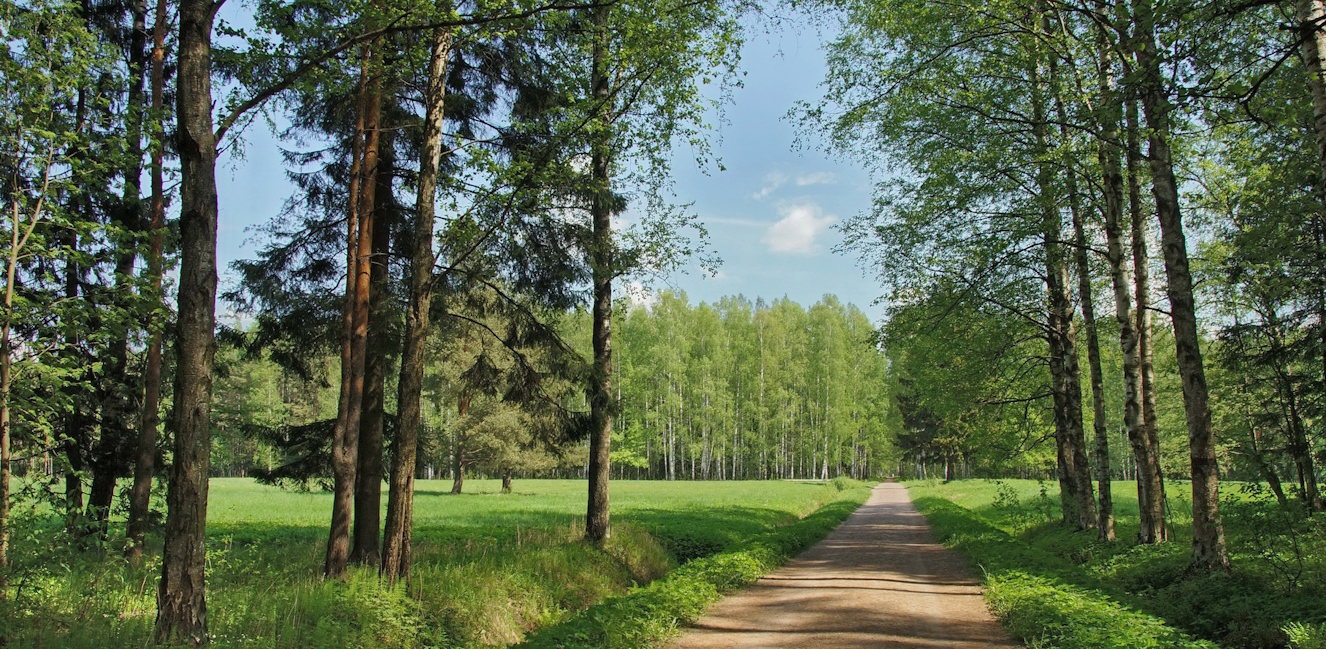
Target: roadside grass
{"x": 651, "y": 614}
{"x": 1053, "y": 587}
{"x": 489, "y": 568}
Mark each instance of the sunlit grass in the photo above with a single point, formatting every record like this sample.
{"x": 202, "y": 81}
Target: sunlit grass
{"x": 488, "y": 567}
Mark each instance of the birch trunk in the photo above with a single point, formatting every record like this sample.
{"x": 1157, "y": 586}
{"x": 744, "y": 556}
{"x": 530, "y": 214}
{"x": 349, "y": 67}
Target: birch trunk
{"x": 1208, "y": 532}
{"x": 1151, "y": 480}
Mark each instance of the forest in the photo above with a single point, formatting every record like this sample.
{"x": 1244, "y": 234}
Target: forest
{"x": 1098, "y": 230}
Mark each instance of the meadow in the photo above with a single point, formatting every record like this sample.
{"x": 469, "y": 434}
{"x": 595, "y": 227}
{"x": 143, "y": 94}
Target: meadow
{"x": 489, "y": 568}
{"x": 1053, "y": 587}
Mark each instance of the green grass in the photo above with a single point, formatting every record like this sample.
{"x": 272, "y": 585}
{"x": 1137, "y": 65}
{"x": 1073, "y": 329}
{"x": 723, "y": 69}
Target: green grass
{"x": 650, "y": 614}
{"x": 488, "y": 567}
{"x": 1053, "y": 587}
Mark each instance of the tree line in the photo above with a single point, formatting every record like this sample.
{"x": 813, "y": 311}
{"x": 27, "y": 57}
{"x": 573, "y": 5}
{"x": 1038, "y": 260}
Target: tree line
{"x": 1032, "y": 156}
{"x": 751, "y": 390}
{"x": 460, "y": 168}
{"x": 734, "y": 390}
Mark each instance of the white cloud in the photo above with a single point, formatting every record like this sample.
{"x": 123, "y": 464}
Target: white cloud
{"x": 796, "y": 232}
{"x": 817, "y": 178}
{"x": 772, "y": 182}
{"x": 640, "y": 296}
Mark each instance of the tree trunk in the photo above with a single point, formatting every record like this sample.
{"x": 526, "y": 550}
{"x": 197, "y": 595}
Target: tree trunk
{"x": 597, "y": 524}
{"x": 368, "y": 473}
{"x": 1311, "y": 16}
{"x": 5, "y": 368}
{"x": 1208, "y": 532}
{"x": 345, "y": 446}
{"x": 1151, "y": 480}
{"x": 1113, "y": 189}
{"x": 1105, "y": 512}
{"x": 110, "y": 457}
{"x": 140, "y": 497}
{"x": 181, "y": 603}
{"x": 1299, "y": 445}
{"x": 1075, "y": 480}
{"x": 400, "y": 498}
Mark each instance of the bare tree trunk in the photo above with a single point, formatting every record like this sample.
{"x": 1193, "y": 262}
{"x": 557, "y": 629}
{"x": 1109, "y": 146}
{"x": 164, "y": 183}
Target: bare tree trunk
{"x": 181, "y": 602}
{"x": 1151, "y": 480}
{"x": 140, "y": 497}
{"x": 368, "y": 473}
{"x": 345, "y": 448}
{"x": 1075, "y": 480}
{"x": 597, "y": 524}
{"x": 1208, "y": 532}
{"x": 1311, "y": 19}
{"x": 1099, "y": 423}
{"x": 1113, "y": 190}
{"x": 400, "y": 497}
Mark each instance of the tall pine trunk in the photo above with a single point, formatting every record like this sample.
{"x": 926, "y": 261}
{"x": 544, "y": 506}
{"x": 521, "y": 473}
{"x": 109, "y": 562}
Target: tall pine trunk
{"x": 368, "y": 472}
{"x": 1151, "y": 480}
{"x": 345, "y": 446}
{"x": 597, "y": 524}
{"x": 400, "y": 497}
{"x": 149, "y": 419}
{"x": 181, "y": 602}
{"x": 1208, "y": 532}
{"x": 409, "y": 390}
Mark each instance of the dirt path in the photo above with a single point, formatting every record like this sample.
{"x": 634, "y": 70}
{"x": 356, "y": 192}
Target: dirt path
{"x": 879, "y": 580}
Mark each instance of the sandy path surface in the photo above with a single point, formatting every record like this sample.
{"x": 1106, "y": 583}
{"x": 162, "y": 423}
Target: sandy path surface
{"x": 879, "y": 580}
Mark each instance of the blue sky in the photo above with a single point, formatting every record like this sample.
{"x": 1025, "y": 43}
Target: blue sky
{"x": 770, "y": 213}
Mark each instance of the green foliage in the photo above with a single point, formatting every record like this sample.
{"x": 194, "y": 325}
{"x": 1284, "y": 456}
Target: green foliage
{"x": 1306, "y": 636}
{"x": 749, "y": 390}
{"x": 1057, "y": 588}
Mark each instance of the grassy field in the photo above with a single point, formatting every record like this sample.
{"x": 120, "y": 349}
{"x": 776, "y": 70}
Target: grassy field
{"x": 1056, "y": 588}
{"x": 489, "y": 567}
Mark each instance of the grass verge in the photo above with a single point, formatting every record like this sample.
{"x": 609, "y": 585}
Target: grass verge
{"x": 649, "y": 614}
{"x": 1040, "y": 598}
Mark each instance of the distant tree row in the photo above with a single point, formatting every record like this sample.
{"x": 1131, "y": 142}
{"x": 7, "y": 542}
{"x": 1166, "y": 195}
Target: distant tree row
{"x": 750, "y": 390}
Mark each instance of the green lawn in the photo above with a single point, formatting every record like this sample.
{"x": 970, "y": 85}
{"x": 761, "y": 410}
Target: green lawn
{"x": 488, "y": 567}
{"x": 1054, "y": 587}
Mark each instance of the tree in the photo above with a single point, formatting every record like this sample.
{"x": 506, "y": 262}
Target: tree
{"x": 42, "y": 76}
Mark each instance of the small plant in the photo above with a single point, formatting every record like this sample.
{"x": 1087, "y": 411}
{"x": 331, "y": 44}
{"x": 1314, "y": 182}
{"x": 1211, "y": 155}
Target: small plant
{"x": 1306, "y": 636}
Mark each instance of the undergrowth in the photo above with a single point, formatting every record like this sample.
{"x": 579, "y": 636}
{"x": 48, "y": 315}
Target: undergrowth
{"x": 1054, "y": 587}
